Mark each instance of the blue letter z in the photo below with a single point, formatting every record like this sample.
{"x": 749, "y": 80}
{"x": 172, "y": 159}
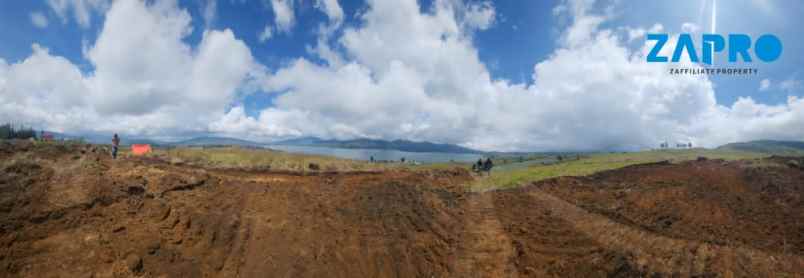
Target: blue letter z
{"x": 660, "y": 39}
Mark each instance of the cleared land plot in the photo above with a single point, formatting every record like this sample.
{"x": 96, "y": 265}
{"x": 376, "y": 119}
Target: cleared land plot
{"x": 73, "y": 211}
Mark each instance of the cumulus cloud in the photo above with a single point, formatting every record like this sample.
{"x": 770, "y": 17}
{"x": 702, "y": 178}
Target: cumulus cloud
{"x": 39, "y": 20}
{"x": 748, "y": 120}
{"x": 172, "y": 88}
{"x": 584, "y": 24}
{"x": 42, "y": 90}
{"x": 267, "y": 125}
{"x": 417, "y": 76}
{"x": 81, "y": 9}
{"x": 403, "y": 72}
{"x": 446, "y": 94}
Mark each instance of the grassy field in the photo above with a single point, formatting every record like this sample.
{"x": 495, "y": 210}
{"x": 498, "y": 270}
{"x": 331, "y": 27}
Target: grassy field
{"x": 504, "y": 176}
{"x": 236, "y": 157}
{"x": 509, "y": 177}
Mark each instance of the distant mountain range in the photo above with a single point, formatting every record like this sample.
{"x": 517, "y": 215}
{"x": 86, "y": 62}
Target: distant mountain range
{"x": 400, "y": 145}
{"x": 216, "y": 141}
{"x": 767, "y": 146}
{"x": 762, "y": 146}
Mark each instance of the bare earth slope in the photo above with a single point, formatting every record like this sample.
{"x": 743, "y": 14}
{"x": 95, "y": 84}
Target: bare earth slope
{"x": 70, "y": 211}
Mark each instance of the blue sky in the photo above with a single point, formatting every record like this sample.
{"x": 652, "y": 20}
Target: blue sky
{"x": 526, "y": 32}
{"x": 508, "y": 46}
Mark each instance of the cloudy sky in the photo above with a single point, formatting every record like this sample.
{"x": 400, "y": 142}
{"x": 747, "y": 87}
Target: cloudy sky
{"x": 507, "y": 75}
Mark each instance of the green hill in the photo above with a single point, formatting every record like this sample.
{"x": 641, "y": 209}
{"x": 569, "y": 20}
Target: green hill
{"x": 767, "y": 146}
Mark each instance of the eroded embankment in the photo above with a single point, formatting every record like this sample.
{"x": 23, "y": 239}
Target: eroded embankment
{"x": 72, "y": 212}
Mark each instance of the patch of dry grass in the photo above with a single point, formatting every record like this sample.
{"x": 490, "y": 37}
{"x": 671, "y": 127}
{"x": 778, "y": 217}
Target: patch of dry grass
{"x": 236, "y": 157}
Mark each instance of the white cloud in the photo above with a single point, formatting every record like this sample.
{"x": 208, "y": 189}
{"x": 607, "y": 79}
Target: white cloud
{"x": 416, "y": 75}
{"x": 446, "y": 94}
{"x": 789, "y": 85}
{"x": 170, "y": 89}
{"x": 331, "y": 8}
{"x": 479, "y": 15}
{"x": 283, "y": 14}
{"x": 43, "y": 90}
{"x": 39, "y": 20}
{"x": 265, "y": 34}
{"x": 82, "y": 9}
{"x": 399, "y": 73}
{"x": 764, "y": 85}
{"x": 209, "y": 11}
{"x": 266, "y": 126}
{"x": 638, "y": 33}
{"x": 584, "y": 26}
{"x": 748, "y": 120}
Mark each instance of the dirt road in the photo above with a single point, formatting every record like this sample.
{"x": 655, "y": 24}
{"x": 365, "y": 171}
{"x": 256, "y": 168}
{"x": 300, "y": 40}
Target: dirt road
{"x": 72, "y": 212}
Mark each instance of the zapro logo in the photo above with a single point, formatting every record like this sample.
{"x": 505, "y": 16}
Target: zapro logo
{"x": 767, "y": 47}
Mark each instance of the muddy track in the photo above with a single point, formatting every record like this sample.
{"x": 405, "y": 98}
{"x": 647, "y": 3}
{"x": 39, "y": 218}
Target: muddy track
{"x": 487, "y": 251}
{"x": 659, "y": 254}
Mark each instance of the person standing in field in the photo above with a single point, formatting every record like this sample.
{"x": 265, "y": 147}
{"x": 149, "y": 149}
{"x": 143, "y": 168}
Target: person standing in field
{"x": 115, "y": 145}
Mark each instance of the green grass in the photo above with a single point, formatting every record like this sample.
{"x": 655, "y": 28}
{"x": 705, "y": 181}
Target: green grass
{"x": 513, "y": 177}
{"x": 508, "y": 176}
{"x": 235, "y": 157}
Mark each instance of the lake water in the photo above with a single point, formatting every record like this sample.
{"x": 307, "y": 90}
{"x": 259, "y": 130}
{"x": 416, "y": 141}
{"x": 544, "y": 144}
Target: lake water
{"x": 391, "y": 155}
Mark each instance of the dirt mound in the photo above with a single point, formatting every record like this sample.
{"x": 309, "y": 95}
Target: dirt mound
{"x": 724, "y": 203}
{"x": 71, "y": 211}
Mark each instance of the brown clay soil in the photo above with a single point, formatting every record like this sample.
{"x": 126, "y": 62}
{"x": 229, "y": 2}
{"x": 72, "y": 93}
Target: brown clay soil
{"x": 70, "y": 211}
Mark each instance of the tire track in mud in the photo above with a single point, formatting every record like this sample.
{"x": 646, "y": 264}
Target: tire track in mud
{"x": 151, "y": 219}
{"x": 656, "y": 253}
{"x": 487, "y": 250}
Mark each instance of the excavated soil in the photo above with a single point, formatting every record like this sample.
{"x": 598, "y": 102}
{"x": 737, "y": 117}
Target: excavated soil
{"x": 71, "y": 211}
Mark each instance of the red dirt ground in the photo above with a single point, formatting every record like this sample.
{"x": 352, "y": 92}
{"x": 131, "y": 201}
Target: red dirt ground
{"x": 70, "y": 211}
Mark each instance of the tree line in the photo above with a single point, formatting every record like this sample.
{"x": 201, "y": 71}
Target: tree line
{"x": 9, "y": 131}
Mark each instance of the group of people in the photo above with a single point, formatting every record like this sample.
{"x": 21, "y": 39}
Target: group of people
{"x": 480, "y": 166}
